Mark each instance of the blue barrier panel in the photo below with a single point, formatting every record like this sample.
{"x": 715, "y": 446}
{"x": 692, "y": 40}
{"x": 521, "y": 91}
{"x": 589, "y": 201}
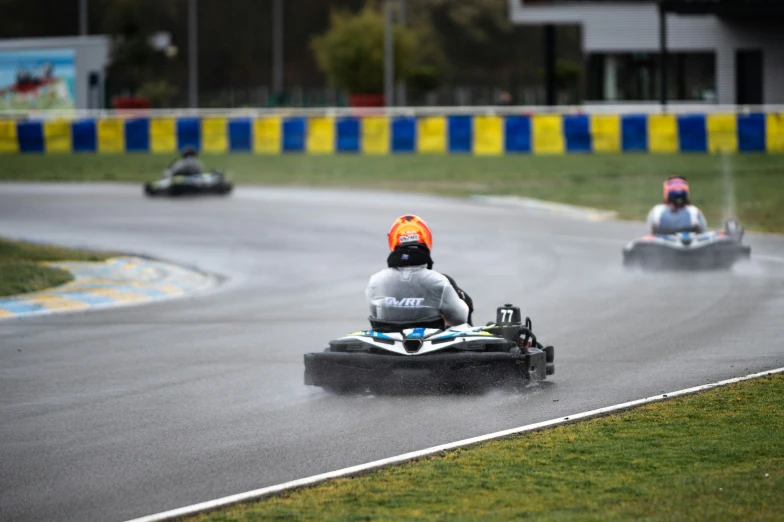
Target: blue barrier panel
{"x": 460, "y": 133}
{"x": 634, "y": 133}
{"x": 577, "y": 131}
{"x": 751, "y": 132}
{"x": 239, "y": 135}
{"x": 403, "y": 134}
{"x": 517, "y": 132}
{"x": 188, "y": 133}
{"x": 294, "y": 134}
{"x": 30, "y": 135}
{"x": 692, "y": 133}
{"x": 347, "y": 135}
{"x": 137, "y": 135}
{"x": 83, "y": 136}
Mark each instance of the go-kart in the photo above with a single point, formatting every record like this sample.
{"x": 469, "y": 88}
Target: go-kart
{"x": 193, "y": 184}
{"x": 396, "y": 356}
{"x": 687, "y": 249}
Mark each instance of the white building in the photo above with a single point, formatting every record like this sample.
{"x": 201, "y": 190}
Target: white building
{"x": 722, "y": 51}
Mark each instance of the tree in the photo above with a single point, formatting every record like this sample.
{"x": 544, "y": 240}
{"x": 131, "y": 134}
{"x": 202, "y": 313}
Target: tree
{"x": 351, "y": 52}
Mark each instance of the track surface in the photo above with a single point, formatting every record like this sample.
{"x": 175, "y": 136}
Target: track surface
{"x": 116, "y": 414}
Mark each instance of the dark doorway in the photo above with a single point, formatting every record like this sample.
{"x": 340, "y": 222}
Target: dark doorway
{"x": 748, "y": 77}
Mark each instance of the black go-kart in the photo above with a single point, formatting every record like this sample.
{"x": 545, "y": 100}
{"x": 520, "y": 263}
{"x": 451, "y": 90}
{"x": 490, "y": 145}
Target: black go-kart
{"x": 406, "y": 357}
{"x": 204, "y": 183}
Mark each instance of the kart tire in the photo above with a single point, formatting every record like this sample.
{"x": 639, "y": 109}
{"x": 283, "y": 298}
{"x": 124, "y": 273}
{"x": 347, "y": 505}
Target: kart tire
{"x": 342, "y": 389}
{"x": 150, "y": 191}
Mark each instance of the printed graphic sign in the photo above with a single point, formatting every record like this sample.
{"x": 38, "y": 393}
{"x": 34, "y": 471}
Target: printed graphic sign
{"x": 37, "y": 79}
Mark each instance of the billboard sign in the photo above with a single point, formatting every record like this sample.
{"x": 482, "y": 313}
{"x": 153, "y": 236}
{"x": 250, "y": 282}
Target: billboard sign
{"x": 38, "y": 79}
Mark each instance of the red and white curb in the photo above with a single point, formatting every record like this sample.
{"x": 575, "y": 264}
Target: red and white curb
{"x": 355, "y": 470}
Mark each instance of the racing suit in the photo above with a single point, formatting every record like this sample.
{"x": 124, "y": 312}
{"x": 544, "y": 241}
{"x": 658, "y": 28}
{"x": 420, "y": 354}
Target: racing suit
{"x": 415, "y": 294}
{"x": 185, "y": 166}
{"x": 667, "y": 217}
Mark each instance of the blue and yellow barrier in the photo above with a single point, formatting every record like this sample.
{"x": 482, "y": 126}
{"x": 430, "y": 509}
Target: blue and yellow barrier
{"x": 457, "y": 134}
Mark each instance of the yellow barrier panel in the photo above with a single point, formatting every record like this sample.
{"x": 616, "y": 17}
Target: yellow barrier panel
{"x": 111, "y": 135}
{"x": 8, "y": 141}
{"x": 774, "y": 132}
{"x": 722, "y": 133}
{"x": 488, "y": 135}
{"x": 214, "y": 135}
{"x": 606, "y": 132}
{"x": 548, "y": 136}
{"x": 662, "y": 133}
{"x": 320, "y": 136}
{"x": 267, "y": 135}
{"x": 375, "y": 134}
{"x": 431, "y": 135}
{"x": 57, "y": 136}
{"x": 162, "y": 135}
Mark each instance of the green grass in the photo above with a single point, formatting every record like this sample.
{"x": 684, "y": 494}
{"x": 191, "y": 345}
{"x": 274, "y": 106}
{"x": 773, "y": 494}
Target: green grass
{"x": 630, "y": 183}
{"x": 21, "y": 270}
{"x": 718, "y": 455}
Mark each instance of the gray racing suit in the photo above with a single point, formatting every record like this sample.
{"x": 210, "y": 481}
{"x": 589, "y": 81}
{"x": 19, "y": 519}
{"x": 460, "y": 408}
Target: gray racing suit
{"x": 414, "y": 294}
{"x": 185, "y": 166}
{"x": 665, "y": 217}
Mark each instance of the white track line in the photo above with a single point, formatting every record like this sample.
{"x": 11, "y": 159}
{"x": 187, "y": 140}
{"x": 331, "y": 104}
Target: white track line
{"x": 773, "y": 259}
{"x": 355, "y": 470}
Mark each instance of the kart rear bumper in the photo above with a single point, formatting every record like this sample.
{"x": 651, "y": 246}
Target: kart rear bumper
{"x": 338, "y": 370}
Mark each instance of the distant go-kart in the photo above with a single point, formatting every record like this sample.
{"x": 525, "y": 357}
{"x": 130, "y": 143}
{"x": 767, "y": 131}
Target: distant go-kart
{"x": 406, "y": 357}
{"x": 213, "y": 182}
{"x": 688, "y": 250}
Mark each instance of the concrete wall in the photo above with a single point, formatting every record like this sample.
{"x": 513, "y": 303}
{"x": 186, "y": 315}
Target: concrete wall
{"x": 615, "y": 27}
{"x": 92, "y": 55}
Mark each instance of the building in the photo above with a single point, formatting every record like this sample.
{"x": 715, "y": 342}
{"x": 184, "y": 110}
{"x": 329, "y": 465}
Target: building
{"x": 715, "y": 51}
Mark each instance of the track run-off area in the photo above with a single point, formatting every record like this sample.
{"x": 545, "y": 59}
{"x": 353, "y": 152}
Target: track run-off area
{"x": 120, "y": 413}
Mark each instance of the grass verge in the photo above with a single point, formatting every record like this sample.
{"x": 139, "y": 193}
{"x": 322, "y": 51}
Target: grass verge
{"x": 718, "y": 455}
{"x": 21, "y": 270}
{"x": 749, "y": 186}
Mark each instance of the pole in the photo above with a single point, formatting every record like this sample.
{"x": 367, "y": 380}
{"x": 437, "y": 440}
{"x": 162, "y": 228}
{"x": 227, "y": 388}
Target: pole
{"x": 549, "y": 63}
{"x": 663, "y": 56}
{"x": 193, "y": 51}
{"x": 83, "y": 17}
{"x": 389, "y": 55}
{"x": 277, "y": 48}
{"x": 401, "y": 84}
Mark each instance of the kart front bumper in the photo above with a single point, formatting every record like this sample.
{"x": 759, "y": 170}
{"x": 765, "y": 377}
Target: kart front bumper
{"x": 660, "y": 257}
{"x": 340, "y": 370}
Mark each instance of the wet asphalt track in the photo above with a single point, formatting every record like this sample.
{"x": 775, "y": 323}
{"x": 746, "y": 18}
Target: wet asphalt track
{"x": 117, "y": 414}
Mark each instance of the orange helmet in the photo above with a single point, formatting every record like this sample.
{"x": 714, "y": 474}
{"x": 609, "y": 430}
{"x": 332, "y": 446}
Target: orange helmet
{"x": 409, "y": 230}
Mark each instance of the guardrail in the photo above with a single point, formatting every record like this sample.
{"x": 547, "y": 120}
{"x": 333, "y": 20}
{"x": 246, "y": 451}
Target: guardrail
{"x": 477, "y": 130}
{"x": 499, "y": 110}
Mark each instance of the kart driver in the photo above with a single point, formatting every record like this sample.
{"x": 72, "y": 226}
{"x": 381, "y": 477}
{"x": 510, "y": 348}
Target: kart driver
{"x": 676, "y": 214}
{"x": 187, "y": 165}
{"x": 409, "y": 291}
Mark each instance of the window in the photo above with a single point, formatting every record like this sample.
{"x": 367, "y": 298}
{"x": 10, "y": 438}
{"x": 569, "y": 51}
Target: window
{"x": 635, "y": 76}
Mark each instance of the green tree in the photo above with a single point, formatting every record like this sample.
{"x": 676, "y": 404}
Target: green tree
{"x": 351, "y": 52}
